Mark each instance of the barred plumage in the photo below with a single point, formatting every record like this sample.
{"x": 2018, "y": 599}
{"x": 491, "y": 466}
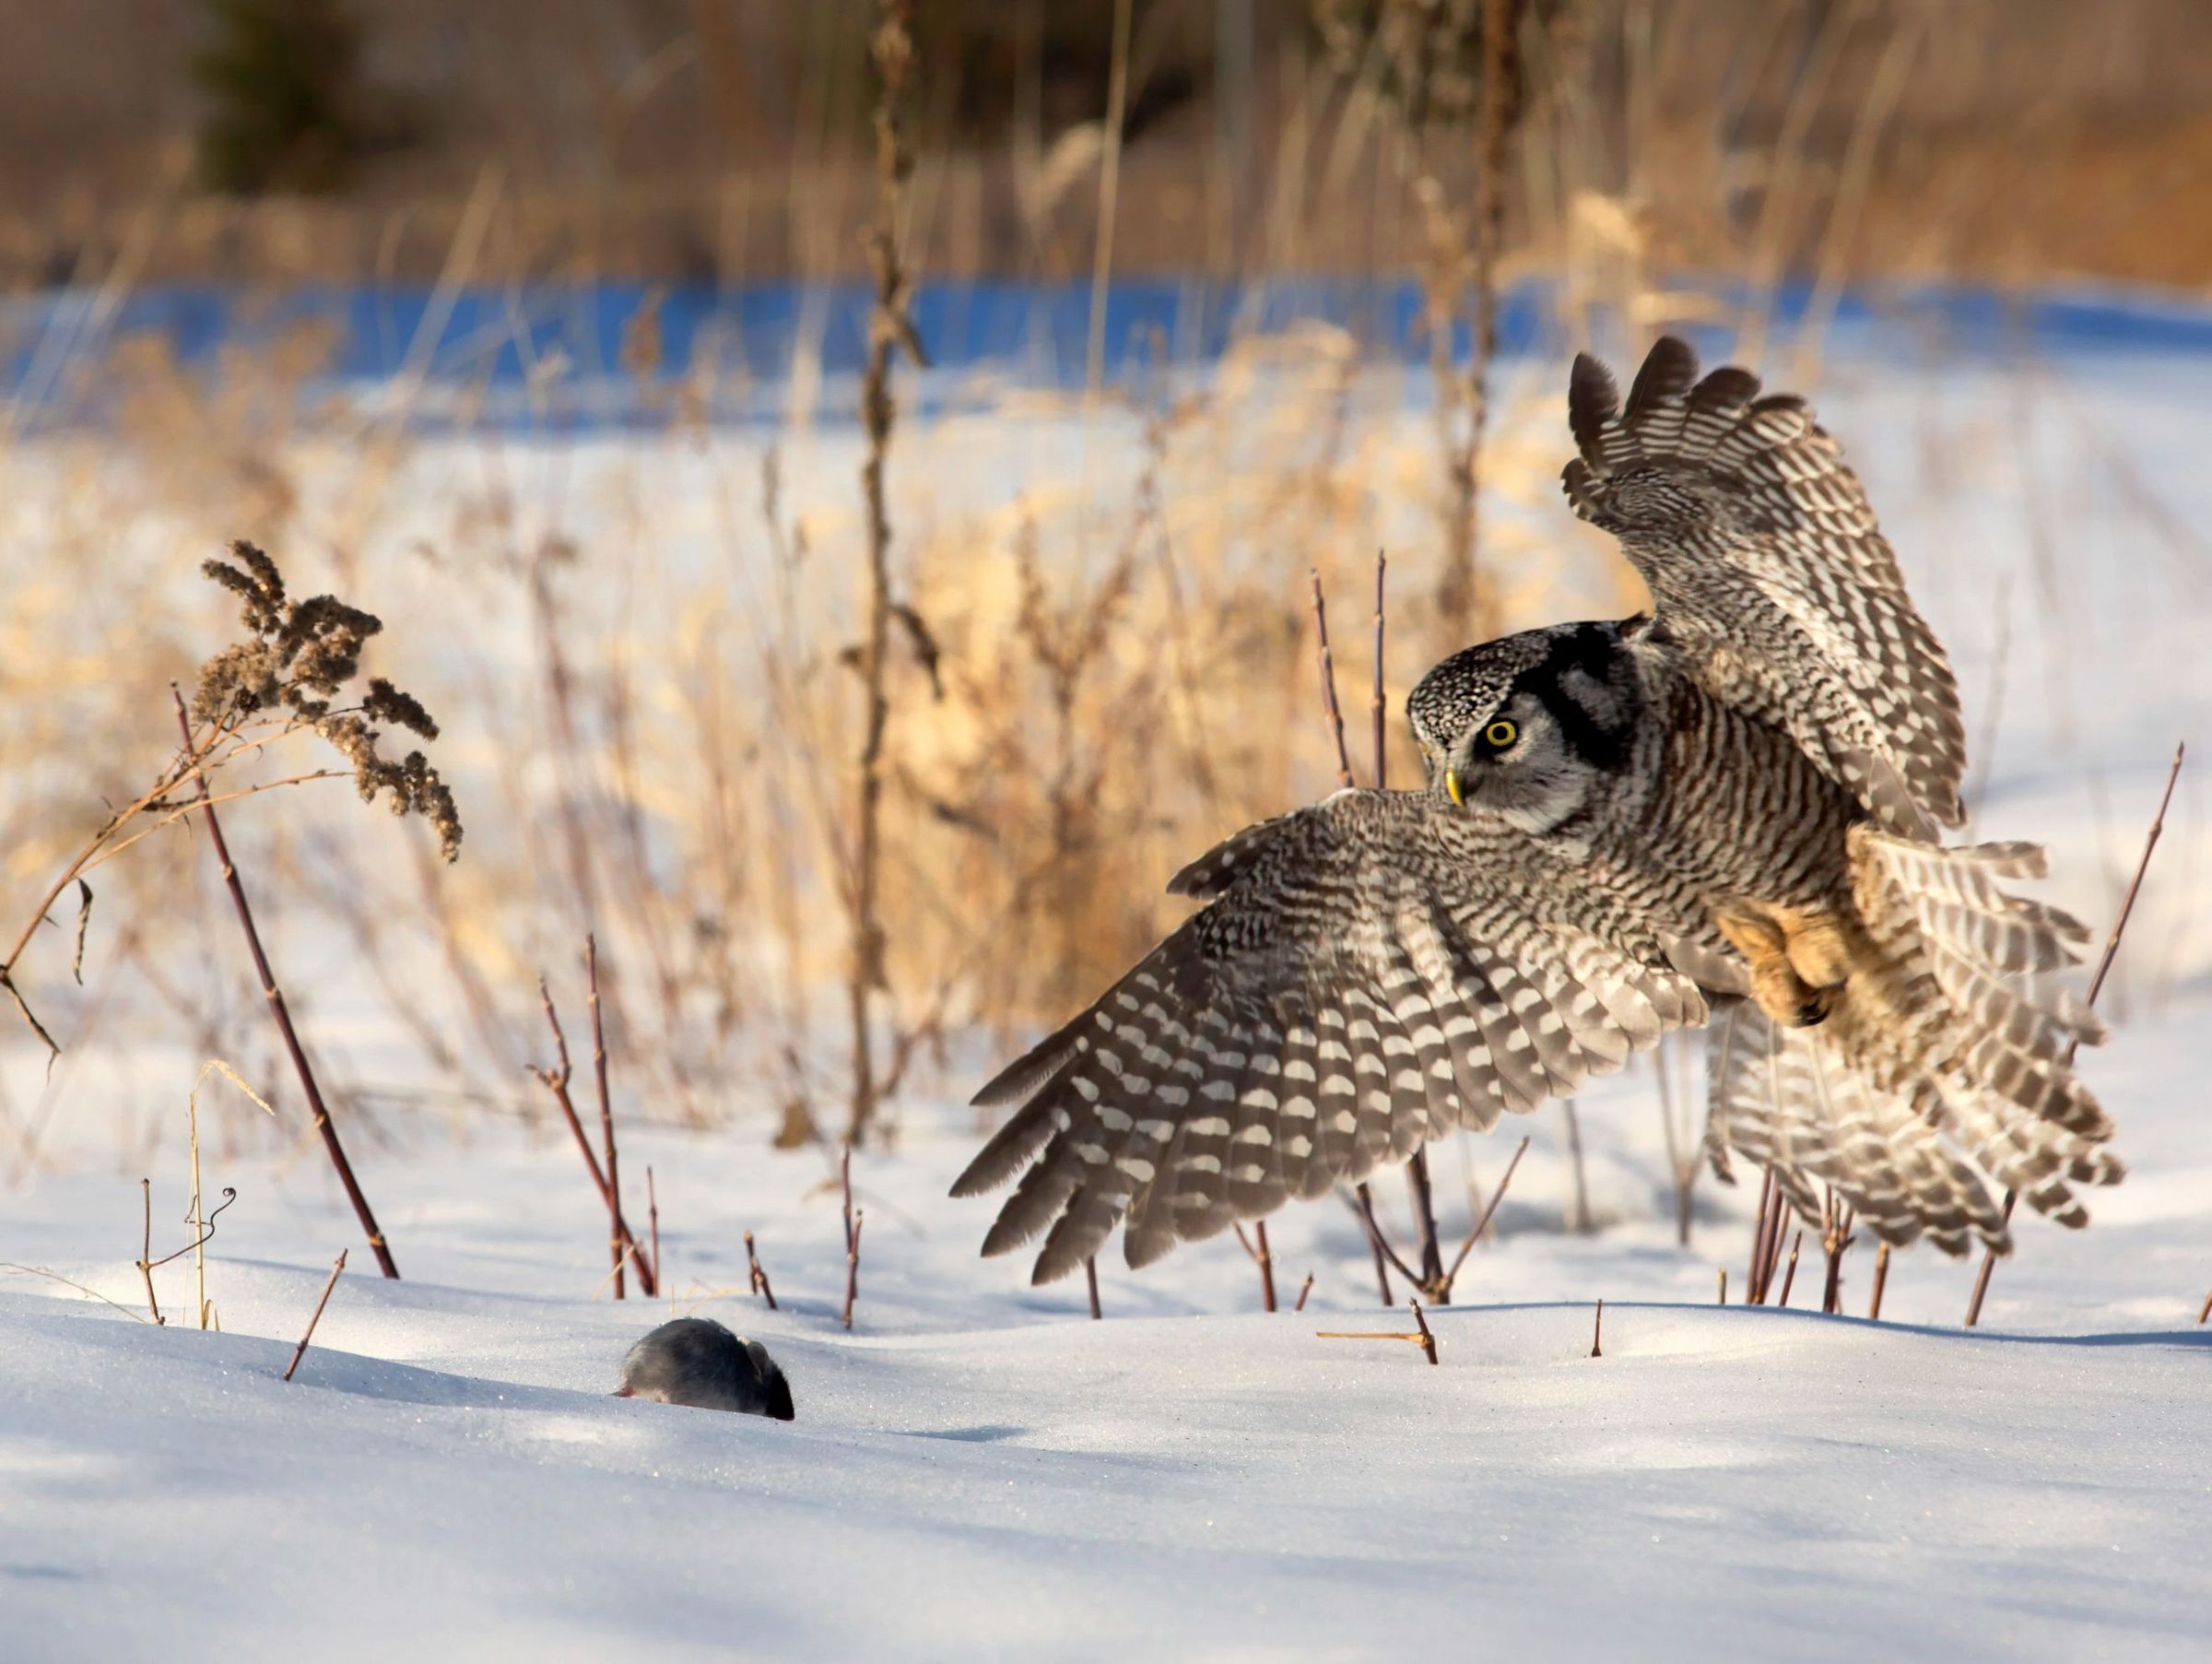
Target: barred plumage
{"x": 1724, "y": 811}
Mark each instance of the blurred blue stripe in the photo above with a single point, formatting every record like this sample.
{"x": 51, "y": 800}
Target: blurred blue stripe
{"x": 492, "y": 338}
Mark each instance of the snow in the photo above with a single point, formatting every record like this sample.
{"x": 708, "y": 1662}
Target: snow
{"x": 978, "y": 1469}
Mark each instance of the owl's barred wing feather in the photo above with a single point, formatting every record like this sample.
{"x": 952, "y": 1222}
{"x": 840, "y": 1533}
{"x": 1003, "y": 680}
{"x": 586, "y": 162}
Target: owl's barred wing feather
{"x": 1369, "y": 972}
{"x": 1766, "y": 565}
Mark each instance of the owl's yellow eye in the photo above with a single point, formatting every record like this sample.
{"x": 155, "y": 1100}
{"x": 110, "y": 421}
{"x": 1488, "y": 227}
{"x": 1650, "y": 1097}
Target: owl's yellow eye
{"x": 1500, "y": 735}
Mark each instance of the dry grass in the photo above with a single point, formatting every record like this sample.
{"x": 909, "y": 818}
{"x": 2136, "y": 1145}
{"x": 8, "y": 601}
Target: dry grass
{"x": 642, "y": 644}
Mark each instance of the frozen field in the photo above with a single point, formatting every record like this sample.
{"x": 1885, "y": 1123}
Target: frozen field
{"x": 979, "y": 1472}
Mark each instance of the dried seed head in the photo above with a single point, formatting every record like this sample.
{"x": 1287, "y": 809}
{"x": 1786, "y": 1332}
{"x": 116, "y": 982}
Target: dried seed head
{"x": 299, "y": 656}
{"x": 387, "y": 704}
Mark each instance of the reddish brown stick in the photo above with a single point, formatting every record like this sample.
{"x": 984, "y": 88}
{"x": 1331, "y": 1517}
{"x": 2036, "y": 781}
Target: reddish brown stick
{"x": 2204, "y": 1311}
{"x": 853, "y": 1265}
{"x": 1090, "y": 1284}
{"x": 315, "y": 1316}
{"x": 1262, "y": 1259}
{"x": 758, "y": 1273}
{"x": 1427, "y": 1336}
{"x": 1834, "y": 1240}
{"x": 1597, "y": 1332}
{"x": 653, "y": 1224}
{"x": 1759, "y": 1239}
{"x": 556, "y": 1080}
{"x": 145, "y": 1250}
{"x": 317, "y": 1107}
{"x": 1328, "y": 684}
{"x": 1789, "y": 1278}
{"x": 2104, "y": 966}
{"x": 1306, "y": 1288}
{"x": 1483, "y": 1223}
{"x": 616, "y": 1245}
{"x": 1881, "y": 1281}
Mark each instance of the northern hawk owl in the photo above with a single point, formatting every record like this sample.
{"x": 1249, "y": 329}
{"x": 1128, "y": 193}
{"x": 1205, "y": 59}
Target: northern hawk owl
{"x": 1721, "y": 814}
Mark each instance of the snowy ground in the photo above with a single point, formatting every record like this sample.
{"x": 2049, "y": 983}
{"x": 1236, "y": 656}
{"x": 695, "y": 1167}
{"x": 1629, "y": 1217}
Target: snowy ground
{"x": 978, "y": 1470}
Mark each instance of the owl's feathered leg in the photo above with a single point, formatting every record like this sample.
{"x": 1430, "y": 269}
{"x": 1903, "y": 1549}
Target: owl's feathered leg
{"x": 1943, "y": 1047}
{"x": 1800, "y": 958}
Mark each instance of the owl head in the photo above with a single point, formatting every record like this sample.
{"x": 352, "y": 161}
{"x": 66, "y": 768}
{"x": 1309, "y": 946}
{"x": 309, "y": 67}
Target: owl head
{"x": 1526, "y": 728}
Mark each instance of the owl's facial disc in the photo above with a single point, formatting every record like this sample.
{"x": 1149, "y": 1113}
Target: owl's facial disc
{"x": 1521, "y": 762}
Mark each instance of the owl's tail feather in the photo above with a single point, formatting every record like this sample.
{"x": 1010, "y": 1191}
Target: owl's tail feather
{"x": 1947, "y": 1048}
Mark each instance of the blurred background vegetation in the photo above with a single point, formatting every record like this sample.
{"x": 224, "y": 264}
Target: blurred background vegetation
{"x": 727, "y": 140}
{"x": 638, "y": 621}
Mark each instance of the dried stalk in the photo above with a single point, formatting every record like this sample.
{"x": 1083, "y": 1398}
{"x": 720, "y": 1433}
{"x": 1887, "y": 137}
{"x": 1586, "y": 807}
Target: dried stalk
{"x": 852, "y": 1266}
{"x": 1422, "y": 1336}
{"x": 145, "y": 1250}
{"x": 757, "y": 1273}
{"x": 1090, "y": 1284}
{"x": 2104, "y": 966}
{"x": 1597, "y": 1332}
{"x": 1790, "y": 1277}
{"x": 889, "y": 327}
{"x": 1428, "y": 1336}
{"x": 1364, "y": 1206}
{"x": 556, "y": 1080}
{"x": 317, "y": 1107}
{"x": 1262, "y": 1259}
{"x": 1329, "y": 682}
{"x": 1306, "y": 1288}
{"x": 619, "y": 1241}
{"x": 2204, "y": 1311}
{"x": 315, "y": 1316}
{"x": 652, "y": 1226}
{"x": 1483, "y": 1223}
{"x": 1759, "y": 1239}
{"x": 1835, "y": 1242}
{"x": 1881, "y": 1282}
{"x": 1721, "y": 1273}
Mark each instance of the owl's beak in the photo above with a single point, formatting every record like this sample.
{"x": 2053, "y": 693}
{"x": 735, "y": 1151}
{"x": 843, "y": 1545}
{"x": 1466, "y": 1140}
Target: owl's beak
{"x": 1452, "y": 784}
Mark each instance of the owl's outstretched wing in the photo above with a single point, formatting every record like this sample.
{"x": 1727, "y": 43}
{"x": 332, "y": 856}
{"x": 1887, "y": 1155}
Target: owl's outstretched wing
{"x": 1768, "y": 570}
{"x": 1369, "y": 971}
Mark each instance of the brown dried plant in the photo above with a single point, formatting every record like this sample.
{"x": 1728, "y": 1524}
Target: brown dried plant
{"x": 289, "y": 674}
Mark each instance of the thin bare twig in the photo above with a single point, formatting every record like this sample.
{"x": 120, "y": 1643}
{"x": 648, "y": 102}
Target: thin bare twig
{"x": 652, "y": 1226}
{"x": 1427, "y": 1336}
{"x": 1789, "y": 1276}
{"x": 314, "y": 1317}
{"x": 891, "y": 327}
{"x": 1306, "y": 1288}
{"x": 1329, "y": 682}
{"x": 1483, "y": 1223}
{"x": 556, "y": 1080}
{"x": 317, "y": 1107}
{"x": 1363, "y": 1204}
{"x": 2104, "y": 966}
{"x": 1090, "y": 1284}
{"x": 619, "y": 1241}
{"x": 1422, "y": 1336}
{"x": 1597, "y": 1332}
{"x": 145, "y": 1250}
{"x": 1881, "y": 1282}
{"x": 853, "y": 1265}
{"x": 1721, "y": 1273}
{"x": 757, "y": 1273}
{"x": 1262, "y": 1259}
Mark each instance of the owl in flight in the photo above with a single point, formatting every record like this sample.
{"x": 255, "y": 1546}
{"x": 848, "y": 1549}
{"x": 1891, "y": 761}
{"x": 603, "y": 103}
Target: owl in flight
{"x": 1725, "y": 814}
